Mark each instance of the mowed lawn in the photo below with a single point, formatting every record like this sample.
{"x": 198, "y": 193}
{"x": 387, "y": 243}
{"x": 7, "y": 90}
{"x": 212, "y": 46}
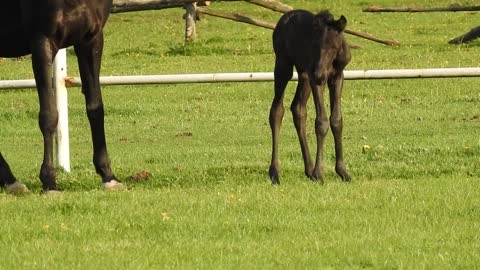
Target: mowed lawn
{"x": 412, "y": 147}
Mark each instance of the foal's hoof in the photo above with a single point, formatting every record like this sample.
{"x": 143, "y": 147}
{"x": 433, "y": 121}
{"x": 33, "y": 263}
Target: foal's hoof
{"x": 344, "y": 175}
{"x": 274, "y": 176}
{"x": 113, "y": 185}
{"x": 275, "y": 181}
{"x": 17, "y": 188}
{"x": 315, "y": 176}
{"x": 316, "y": 179}
{"x": 346, "y": 178}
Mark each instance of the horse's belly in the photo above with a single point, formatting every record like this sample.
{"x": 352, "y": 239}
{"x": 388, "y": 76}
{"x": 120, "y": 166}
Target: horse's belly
{"x": 12, "y": 40}
{"x": 13, "y": 46}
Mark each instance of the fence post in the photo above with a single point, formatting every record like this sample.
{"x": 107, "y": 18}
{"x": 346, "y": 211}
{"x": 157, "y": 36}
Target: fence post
{"x": 190, "y": 17}
{"x": 61, "y": 138}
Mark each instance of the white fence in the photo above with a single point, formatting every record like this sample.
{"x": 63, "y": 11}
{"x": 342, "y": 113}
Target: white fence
{"x": 61, "y": 81}
{"x": 254, "y": 77}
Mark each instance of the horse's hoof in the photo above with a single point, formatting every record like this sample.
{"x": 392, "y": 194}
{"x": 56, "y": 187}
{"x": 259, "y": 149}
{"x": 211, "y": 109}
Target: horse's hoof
{"x": 17, "y": 188}
{"x": 113, "y": 185}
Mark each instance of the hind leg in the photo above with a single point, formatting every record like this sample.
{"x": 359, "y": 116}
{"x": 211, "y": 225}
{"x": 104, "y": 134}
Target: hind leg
{"x": 335, "y": 86}
{"x": 299, "y": 113}
{"x": 282, "y": 74}
{"x": 9, "y": 181}
{"x": 89, "y": 54}
{"x": 6, "y": 175}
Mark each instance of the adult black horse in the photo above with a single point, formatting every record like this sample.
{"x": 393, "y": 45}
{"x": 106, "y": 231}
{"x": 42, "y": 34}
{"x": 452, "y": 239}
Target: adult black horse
{"x": 41, "y": 28}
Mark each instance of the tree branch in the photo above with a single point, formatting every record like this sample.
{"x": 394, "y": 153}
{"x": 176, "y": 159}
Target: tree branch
{"x": 453, "y": 8}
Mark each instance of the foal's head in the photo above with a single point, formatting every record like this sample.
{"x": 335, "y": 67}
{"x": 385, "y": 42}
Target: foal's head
{"x": 328, "y": 30}
{"x": 328, "y": 43}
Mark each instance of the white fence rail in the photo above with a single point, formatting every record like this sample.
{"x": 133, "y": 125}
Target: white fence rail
{"x": 255, "y": 77}
{"x": 61, "y": 82}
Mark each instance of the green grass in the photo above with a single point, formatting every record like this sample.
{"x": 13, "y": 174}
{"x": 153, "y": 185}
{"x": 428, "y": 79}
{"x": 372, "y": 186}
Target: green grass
{"x": 413, "y": 202}
{"x": 377, "y": 224}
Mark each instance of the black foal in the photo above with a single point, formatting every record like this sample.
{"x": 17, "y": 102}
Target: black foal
{"x": 315, "y": 45}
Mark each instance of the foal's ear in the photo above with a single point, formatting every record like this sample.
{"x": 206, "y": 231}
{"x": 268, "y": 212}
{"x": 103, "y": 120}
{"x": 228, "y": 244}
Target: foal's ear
{"x": 340, "y": 24}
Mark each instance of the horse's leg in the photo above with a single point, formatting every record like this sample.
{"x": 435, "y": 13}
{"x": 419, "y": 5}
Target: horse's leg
{"x": 335, "y": 85}
{"x": 321, "y": 124}
{"x": 6, "y": 175}
{"x": 42, "y": 59}
{"x": 89, "y": 54}
{"x": 299, "y": 112}
{"x": 282, "y": 74}
{"x": 8, "y": 180}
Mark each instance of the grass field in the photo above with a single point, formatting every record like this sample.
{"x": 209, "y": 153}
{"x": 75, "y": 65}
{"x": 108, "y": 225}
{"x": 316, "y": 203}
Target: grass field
{"x": 413, "y": 203}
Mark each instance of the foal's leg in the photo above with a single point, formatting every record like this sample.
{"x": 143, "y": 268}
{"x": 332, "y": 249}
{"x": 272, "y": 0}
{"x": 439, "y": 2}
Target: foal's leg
{"x": 335, "y": 85}
{"x": 299, "y": 112}
{"x": 282, "y": 74}
{"x": 89, "y": 54}
{"x": 321, "y": 124}
{"x": 42, "y": 58}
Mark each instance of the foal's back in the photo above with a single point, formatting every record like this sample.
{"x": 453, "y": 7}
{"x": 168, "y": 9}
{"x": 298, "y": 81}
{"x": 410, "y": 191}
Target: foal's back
{"x": 292, "y": 35}
{"x": 64, "y": 22}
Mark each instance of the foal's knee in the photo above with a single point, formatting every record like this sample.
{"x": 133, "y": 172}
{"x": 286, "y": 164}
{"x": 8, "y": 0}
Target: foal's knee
{"x": 336, "y": 123}
{"x": 298, "y": 112}
{"x": 320, "y": 76}
{"x": 321, "y": 126}
{"x": 276, "y": 111}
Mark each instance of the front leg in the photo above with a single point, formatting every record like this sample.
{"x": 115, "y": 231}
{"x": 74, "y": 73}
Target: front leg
{"x": 43, "y": 53}
{"x": 335, "y": 85}
{"x": 321, "y": 125}
{"x": 89, "y": 54}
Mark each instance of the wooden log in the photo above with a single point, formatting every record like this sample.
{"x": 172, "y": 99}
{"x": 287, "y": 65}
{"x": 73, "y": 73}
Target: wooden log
{"x": 372, "y": 38}
{"x": 245, "y": 19}
{"x": 271, "y": 4}
{"x": 453, "y": 8}
{"x": 280, "y": 7}
{"x": 471, "y": 35}
{"x": 139, "y": 5}
{"x": 204, "y": 3}
{"x": 236, "y": 17}
{"x": 123, "y": 3}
